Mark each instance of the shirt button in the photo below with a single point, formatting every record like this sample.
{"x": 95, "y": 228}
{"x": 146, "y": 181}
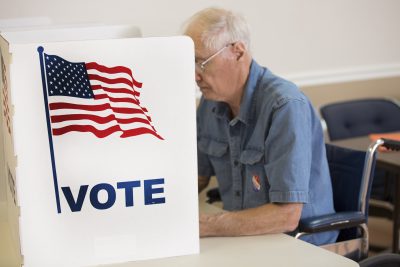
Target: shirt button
{"x": 237, "y": 193}
{"x": 213, "y": 109}
{"x": 236, "y": 163}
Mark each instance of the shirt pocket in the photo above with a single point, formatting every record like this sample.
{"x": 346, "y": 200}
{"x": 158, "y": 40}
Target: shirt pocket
{"x": 213, "y": 148}
{"x": 218, "y": 155}
{"x": 251, "y": 156}
{"x": 256, "y": 186}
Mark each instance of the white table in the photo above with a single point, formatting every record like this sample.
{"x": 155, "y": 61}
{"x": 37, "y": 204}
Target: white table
{"x": 266, "y": 250}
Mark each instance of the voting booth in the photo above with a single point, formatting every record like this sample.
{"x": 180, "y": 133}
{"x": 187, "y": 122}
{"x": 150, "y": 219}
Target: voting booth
{"x": 99, "y": 162}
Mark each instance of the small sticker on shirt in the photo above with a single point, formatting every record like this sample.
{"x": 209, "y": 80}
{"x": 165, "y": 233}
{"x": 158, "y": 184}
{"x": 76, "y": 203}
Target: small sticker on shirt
{"x": 256, "y": 183}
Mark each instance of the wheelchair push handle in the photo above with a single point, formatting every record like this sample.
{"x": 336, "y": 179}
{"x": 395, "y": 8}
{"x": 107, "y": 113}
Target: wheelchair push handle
{"x": 391, "y": 144}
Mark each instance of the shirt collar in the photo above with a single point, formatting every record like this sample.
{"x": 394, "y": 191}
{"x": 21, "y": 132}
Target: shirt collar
{"x": 221, "y": 110}
{"x": 251, "y": 85}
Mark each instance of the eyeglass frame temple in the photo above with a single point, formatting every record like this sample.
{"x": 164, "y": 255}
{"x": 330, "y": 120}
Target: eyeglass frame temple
{"x": 202, "y": 65}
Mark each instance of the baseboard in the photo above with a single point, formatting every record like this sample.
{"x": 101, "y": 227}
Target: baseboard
{"x": 344, "y": 75}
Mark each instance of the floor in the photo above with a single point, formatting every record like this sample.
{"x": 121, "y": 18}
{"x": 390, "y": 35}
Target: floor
{"x": 380, "y": 230}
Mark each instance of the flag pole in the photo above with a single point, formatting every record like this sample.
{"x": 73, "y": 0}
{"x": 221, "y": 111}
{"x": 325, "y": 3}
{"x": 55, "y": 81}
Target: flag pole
{"x": 46, "y": 104}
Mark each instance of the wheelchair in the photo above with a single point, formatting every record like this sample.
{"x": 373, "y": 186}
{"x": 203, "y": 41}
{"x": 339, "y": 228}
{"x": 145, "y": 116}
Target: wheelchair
{"x": 351, "y": 175}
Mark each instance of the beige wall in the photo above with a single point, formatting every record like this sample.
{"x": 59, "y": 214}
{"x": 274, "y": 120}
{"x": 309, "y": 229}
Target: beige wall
{"x": 307, "y": 41}
{"x": 291, "y": 37}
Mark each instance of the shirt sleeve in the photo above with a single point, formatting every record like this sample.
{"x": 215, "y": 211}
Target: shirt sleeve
{"x": 288, "y": 152}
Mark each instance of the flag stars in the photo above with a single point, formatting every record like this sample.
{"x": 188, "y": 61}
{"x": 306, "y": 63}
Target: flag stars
{"x": 67, "y": 79}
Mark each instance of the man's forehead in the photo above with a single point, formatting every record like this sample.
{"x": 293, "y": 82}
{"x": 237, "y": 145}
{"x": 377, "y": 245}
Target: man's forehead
{"x": 201, "y": 52}
{"x": 196, "y": 34}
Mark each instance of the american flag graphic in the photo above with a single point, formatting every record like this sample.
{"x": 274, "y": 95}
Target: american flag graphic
{"x": 6, "y": 109}
{"x": 89, "y": 97}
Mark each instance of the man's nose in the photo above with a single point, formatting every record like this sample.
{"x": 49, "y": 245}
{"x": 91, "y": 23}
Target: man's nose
{"x": 198, "y": 75}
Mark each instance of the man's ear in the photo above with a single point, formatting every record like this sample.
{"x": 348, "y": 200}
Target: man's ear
{"x": 239, "y": 49}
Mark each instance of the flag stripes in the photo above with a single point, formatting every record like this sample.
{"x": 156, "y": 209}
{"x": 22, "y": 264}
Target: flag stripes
{"x": 89, "y": 97}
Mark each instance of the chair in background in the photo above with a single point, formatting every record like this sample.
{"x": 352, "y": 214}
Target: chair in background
{"x": 382, "y": 260}
{"x": 361, "y": 117}
{"x": 351, "y": 173}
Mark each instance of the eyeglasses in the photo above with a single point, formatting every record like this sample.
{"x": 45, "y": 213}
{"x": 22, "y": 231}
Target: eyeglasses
{"x": 202, "y": 66}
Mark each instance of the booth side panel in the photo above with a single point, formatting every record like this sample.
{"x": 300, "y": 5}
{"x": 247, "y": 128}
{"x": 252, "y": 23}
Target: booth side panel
{"x": 10, "y": 253}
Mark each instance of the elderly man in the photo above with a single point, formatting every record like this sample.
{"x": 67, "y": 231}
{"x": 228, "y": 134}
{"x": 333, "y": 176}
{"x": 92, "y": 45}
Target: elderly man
{"x": 258, "y": 134}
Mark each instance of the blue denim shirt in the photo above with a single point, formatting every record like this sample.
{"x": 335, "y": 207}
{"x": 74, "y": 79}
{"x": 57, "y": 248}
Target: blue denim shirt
{"x": 273, "y": 151}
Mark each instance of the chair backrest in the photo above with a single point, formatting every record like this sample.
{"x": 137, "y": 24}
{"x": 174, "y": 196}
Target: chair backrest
{"x": 361, "y": 117}
{"x": 351, "y": 187}
{"x": 346, "y": 168}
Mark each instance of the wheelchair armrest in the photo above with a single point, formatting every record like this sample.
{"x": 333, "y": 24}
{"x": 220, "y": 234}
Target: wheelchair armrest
{"x": 391, "y": 144}
{"x": 334, "y": 221}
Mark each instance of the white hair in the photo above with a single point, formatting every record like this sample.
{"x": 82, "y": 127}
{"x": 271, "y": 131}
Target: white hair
{"x": 219, "y": 27}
